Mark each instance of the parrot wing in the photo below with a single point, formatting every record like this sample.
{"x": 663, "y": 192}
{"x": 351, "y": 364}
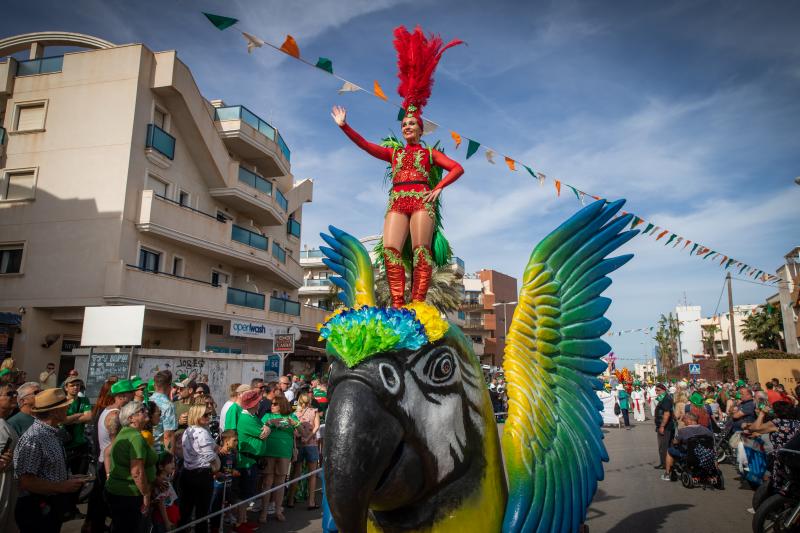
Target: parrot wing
{"x": 552, "y": 441}
{"x": 348, "y": 258}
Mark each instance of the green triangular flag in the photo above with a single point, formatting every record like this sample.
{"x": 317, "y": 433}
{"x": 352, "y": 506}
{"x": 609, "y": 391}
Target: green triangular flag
{"x": 221, "y": 23}
{"x": 401, "y": 114}
{"x": 636, "y": 221}
{"x": 325, "y": 64}
{"x": 694, "y": 247}
{"x": 741, "y": 269}
{"x": 531, "y": 172}
{"x": 648, "y": 228}
{"x": 671, "y": 238}
{"x": 472, "y": 148}
{"x": 578, "y": 196}
{"x": 709, "y": 254}
{"x": 728, "y": 264}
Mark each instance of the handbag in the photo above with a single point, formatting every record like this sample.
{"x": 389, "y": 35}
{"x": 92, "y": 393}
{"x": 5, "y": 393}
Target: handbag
{"x": 617, "y": 410}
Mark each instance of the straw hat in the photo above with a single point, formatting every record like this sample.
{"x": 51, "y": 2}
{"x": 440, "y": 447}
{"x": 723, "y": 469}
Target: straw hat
{"x": 50, "y": 399}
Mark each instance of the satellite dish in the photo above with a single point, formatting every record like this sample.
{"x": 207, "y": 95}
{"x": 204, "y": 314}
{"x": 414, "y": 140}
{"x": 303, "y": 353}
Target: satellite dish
{"x": 295, "y": 331}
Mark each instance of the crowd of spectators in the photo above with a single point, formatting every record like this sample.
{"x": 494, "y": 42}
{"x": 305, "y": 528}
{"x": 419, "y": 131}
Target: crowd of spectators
{"x": 155, "y": 454}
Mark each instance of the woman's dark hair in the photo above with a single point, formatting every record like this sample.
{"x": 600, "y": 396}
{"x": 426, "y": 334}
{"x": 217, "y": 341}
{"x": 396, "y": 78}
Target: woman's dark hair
{"x": 205, "y": 388}
{"x": 164, "y": 458}
{"x": 784, "y": 410}
{"x": 283, "y": 405}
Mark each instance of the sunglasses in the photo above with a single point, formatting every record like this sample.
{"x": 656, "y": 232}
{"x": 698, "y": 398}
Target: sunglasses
{"x": 11, "y": 394}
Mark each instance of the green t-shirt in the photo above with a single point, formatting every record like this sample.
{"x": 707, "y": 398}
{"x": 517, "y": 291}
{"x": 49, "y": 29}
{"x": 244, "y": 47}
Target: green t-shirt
{"x": 129, "y": 445}
{"x": 77, "y": 431}
{"x": 232, "y": 417}
{"x": 251, "y": 447}
{"x": 623, "y": 399}
{"x": 280, "y": 442}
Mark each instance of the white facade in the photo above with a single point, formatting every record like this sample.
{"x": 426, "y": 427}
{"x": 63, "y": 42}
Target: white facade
{"x": 646, "y": 371}
{"x": 722, "y": 334}
{"x": 691, "y": 333}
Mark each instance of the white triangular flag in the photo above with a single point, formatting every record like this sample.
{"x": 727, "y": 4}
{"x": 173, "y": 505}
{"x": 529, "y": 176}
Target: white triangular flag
{"x": 581, "y": 197}
{"x": 428, "y": 126}
{"x": 541, "y": 178}
{"x": 490, "y": 156}
{"x": 348, "y": 88}
{"x": 252, "y": 41}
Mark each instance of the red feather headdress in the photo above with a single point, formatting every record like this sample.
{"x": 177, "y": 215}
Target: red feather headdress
{"x": 417, "y": 57}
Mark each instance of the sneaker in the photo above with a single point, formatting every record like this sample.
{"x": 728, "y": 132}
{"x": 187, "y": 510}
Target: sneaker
{"x": 254, "y": 506}
{"x": 271, "y": 508}
{"x": 665, "y": 477}
{"x": 659, "y": 467}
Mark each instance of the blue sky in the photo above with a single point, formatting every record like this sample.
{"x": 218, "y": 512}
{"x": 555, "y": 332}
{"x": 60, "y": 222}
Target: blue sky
{"x": 690, "y": 110}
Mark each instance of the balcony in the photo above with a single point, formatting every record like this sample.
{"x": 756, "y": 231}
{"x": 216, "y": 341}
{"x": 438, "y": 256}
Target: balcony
{"x": 278, "y": 252}
{"x": 311, "y": 258}
{"x": 474, "y": 325}
{"x": 457, "y": 266}
{"x": 160, "y": 141}
{"x": 244, "y": 298}
{"x": 256, "y": 197}
{"x": 44, "y": 65}
{"x": 284, "y": 306}
{"x": 253, "y": 138}
{"x": 178, "y": 295}
{"x": 316, "y": 286}
{"x": 293, "y": 228}
{"x": 215, "y": 238}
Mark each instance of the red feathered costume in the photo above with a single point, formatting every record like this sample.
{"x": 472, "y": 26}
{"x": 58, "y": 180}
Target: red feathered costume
{"x": 417, "y": 57}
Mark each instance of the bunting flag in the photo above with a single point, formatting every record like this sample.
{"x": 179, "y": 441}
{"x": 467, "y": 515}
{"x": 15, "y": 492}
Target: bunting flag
{"x": 378, "y": 91}
{"x": 456, "y": 138}
{"x": 325, "y": 64}
{"x": 348, "y": 87}
{"x": 252, "y": 41}
{"x": 220, "y": 22}
{"x": 291, "y": 48}
{"x": 582, "y": 199}
{"x": 428, "y": 127}
{"x": 472, "y": 147}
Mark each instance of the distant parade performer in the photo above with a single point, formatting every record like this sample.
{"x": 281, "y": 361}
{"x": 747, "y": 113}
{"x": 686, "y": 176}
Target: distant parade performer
{"x": 415, "y": 172}
{"x": 637, "y": 396}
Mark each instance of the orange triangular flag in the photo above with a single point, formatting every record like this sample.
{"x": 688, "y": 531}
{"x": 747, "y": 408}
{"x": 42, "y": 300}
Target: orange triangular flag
{"x": 662, "y": 234}
{"x": 558, "y": 188}
{"x": 379, "y": 92}
{"x": 290, "y": 47}
{"x": 510, "y": 162}
{"x": 456, "y": 137}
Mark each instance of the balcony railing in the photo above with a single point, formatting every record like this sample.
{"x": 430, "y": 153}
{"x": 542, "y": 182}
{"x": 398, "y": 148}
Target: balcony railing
{"x": 170, "y": 200}
{"x": 44, "y": 65}
{"x": 311, "y": 254}
{"x": 278, "y": 252}
{"x": 151, "y": 271}
{"x": 255, "y": 181}
{"x": 317, "y": 283}
{"x": 293, "y": 228}
{"x": 160, "y": 141}
{"x": 282, "y": 305}
{"x": 240, "y": 112}
{"x": 250, "y": 238}
{"x": 281, "y": 199}
{"x": 244, "y": 298}
{"x": 458, "y": 262}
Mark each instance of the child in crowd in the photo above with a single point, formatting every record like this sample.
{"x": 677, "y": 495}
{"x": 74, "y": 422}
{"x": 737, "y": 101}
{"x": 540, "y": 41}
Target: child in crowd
{"x": 165, "y": 512}
{"x": 155, "y": 417}
{"x": 224, "y": 490}
{"x": 177, "y": 449}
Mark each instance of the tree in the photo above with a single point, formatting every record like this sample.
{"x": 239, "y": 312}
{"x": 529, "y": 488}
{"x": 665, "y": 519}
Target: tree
{"x": 667, "y": 341}
{"x": 764, "y": 327}
{"x": 444, "y": 293}
{"x": 709, "y": 335}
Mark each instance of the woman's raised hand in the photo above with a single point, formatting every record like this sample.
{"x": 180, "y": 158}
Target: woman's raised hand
{"x": 339, "y": 115}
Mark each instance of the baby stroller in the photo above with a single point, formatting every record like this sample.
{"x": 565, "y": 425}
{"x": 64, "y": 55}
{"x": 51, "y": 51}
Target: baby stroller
{"x": 698, "y": 468}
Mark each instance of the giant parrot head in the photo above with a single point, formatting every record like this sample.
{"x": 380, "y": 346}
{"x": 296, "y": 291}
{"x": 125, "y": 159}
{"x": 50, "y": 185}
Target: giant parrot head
{"x": 411, "y": 442}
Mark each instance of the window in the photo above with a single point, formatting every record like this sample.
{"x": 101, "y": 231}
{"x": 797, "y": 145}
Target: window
{"x": 149, "y": 260}
{"x": 160, "y": 118}
{"x": 156, "y": 185}
{"x": 177, "y": 266}
{"x": 30, "y": 117}
{"x": 11, "y": 259}
{"x": 215, "y": 329}
{"x": 183, "y": 198}
{"x": 222, "y": 216}
{"x": 18, "y": 185}
{"x": 219, "y": 278}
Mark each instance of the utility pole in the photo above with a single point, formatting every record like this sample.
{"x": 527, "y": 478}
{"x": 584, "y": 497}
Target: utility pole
{"x": 734, "y": 353}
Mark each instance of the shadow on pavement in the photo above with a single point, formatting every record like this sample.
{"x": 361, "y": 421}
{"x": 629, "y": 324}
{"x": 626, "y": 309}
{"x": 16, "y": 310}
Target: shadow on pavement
{"x": 649, "y": 519}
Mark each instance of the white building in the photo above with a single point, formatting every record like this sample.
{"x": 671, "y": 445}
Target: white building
{"x": 646, "y": 371}
{"x": 722, "y": 332}
{"x": 691, "y": 338}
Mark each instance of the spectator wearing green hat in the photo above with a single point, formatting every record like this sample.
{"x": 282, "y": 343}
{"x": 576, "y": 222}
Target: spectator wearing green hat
{"x": 697, "y": 406}
{"x": 79, "y": 413}
{"x": 139, "y": 389}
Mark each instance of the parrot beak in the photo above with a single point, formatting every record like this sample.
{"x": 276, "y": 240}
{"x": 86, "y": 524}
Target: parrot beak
{"x": 367, "y": 463}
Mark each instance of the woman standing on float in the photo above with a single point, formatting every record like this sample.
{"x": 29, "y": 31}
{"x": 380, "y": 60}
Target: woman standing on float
{"x": 413, "y": 200}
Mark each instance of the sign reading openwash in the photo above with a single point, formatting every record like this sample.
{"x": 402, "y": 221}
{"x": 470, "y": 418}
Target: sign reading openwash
{"x": 256, "y": 330}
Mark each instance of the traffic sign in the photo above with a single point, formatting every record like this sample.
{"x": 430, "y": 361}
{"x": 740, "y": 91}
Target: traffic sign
{"x": 694, "y": 368}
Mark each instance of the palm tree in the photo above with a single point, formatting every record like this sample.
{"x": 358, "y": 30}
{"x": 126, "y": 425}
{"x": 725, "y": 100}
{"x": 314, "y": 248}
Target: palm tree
{"x": 709, "y": 335}
{"x": 764, "y": 328}
{"x": 667, "y": 340}
{"x": 444, "y": 292}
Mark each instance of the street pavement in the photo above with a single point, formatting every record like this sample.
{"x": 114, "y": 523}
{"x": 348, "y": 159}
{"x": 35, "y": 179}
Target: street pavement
{"x": 630, "y": 499}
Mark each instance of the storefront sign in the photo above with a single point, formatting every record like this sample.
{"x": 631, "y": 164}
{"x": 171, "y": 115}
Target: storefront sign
{"x": 283, "y": 343}
{"x": 255, "y": 330}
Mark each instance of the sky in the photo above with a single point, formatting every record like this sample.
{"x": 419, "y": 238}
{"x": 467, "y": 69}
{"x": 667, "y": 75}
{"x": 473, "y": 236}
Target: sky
{"x": 688, "y": 110}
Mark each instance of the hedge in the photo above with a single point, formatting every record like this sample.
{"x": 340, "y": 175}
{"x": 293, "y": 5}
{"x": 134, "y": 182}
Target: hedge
{"x": 725, "y": 364}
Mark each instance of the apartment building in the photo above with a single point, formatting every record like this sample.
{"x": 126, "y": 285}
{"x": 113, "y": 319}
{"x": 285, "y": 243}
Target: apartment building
{"x": 490, "y": 298}
{"x": 121, "y": 184}
{"x": 691, "y": 338}
{"x": 788, "y": 298}
{"x": 720, "y": 325}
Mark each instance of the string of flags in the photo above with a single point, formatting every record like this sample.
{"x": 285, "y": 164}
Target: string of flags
{"x": 648, "y": 228}
{"x": 715, "y": 321}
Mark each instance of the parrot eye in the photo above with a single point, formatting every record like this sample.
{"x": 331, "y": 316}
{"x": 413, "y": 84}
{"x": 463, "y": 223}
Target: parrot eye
{"x": 441, "y": 367}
